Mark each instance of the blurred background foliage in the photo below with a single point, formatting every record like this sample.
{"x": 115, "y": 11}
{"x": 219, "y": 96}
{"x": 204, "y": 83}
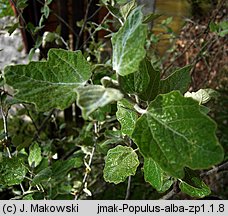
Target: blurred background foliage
{"x": 5, "y": 9}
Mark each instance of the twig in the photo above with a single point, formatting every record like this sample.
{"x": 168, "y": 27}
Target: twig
{"x": 181, "y": 54}
{"x": 20, "y": 15}
{"x": 198, "y": 57}
{"x": 4, "y": 118}
{"x": 84, "y": 181}
{"x": 168, "y": 195}
{"x": 36, "y": 135}
{"x": 176, "y": 190}
{"x": 220, "y": 168}
{"x": 205, "y": 33}
{"x": 89, "y": 18}
{"x": 22, "y": 188}
{"x": 24, "y": 23}
{"x": 106, "y": 16}
{"x": 61, "y": 19}
{"x": 173, "y": 192}
{"x": 84, "y": 23}
{"x": 33, "y": 122}
{"x": 128, "y": 192}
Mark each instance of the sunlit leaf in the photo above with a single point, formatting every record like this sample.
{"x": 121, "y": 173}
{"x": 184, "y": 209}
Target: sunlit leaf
{"x": 52, "y": 83}
{"x": 178, "y": 80}
{"x": 127, "y": 116}
{"x": 156, "y": 176}
{"x": 175, "y": 134}
{"x": 128, "y": 44}
{"x": 120, "y": 163}
{"x": 43, "y": 176}
{"x": 12, "y": 171}
{"x": 193, "y": 185}
{"x": 35, "y": 157}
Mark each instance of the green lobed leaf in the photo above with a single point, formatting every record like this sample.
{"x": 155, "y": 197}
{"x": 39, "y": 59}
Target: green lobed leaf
{"x": 156, "y": 176}
{"x": 58, "y": 170}
{"x": 144, "y": 82}
{"x": 43, "y": 164}
{"x": 153, "y": 173}
{"x": 137, "y": 82}
{"x": 94, "y": 96}
{"x": 121, "y": 162}
{"x": 200, "y": 189}
{"x": 12, "y": 171}
{"x": 52, "y": 83}
{"x": 178, "y": 80}
{"x": 152, "y": 89}
{"x": 61, "y": 167}
{"x": 175, "y": 134}
{"x": 193, "y": 185}
{"x": 43, "y": 176}
{"x": 128, "y": 44}
{"x": 127, "y": 116}
{"x": 35, "y": 156}
{"x": 132, "y": 83}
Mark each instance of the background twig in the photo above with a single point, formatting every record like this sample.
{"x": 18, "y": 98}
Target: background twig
{"x": 222, "y": 167}
{"x": 173, "y": 192}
